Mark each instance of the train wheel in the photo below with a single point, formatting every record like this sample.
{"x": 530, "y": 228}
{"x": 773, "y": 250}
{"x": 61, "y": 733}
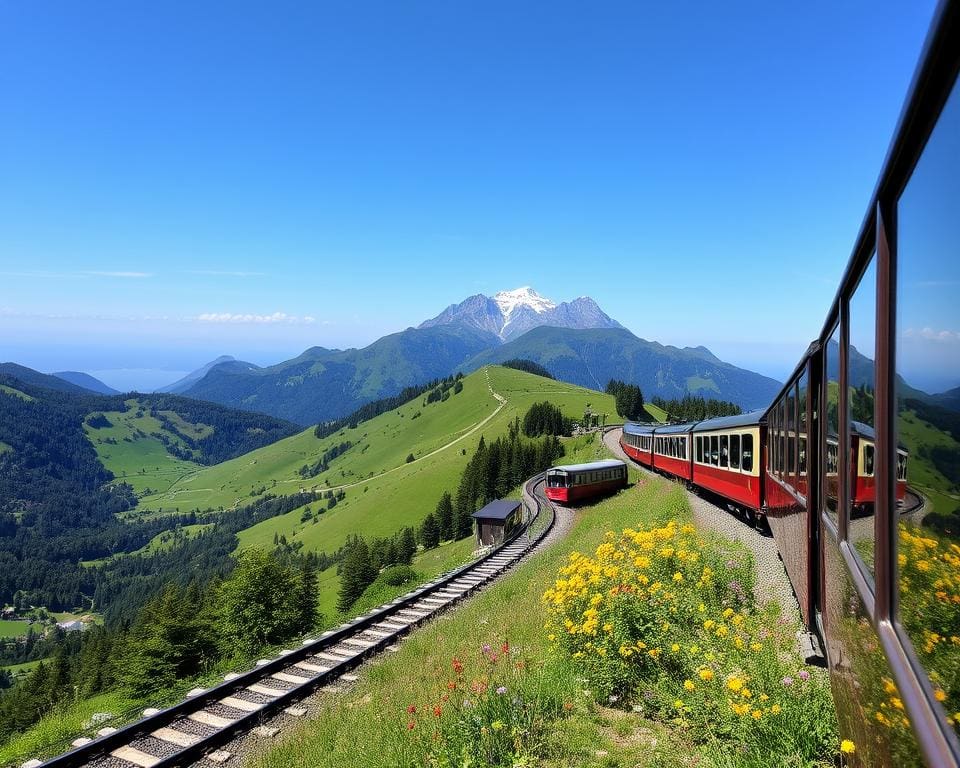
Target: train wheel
{"x": 751, "y": 517}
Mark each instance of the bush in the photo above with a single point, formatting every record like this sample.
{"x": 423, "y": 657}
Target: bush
{"x": 411, "y": 458}
{"x": 398, "y": 575}
{"x": 661, "y": 618}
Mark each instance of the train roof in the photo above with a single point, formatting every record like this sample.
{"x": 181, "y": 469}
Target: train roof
{"x": 635, "y": 428}
{"x": 750, "y": 419}
{"x": 591, "y": 466}
{"x": 500, "y": 509}
{"x": 674, "y": 429}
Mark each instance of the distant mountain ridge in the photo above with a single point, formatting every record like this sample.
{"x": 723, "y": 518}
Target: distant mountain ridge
{"x": 182, "y": 385}
{"x": 575, "y": 341}
{"x": 45, "y": 380}
{"x": 86, "y": 381}
{"x": 591, "y": 357}
{"x": 323, "y": 384}
{"x": 510, "y": 314}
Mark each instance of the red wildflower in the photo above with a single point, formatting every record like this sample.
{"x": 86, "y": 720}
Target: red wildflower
{"x": 452, "y": 685}
{"x": 493, "y": 658}
{"x": 412, "y": 709}
{"x": 437, "y": 711}
{"x": 411, "y": 725}
{"x": 505, "y": 648}
{"x": 458, "y": 666}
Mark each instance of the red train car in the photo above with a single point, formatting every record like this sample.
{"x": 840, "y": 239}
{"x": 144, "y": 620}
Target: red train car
{"x": 636, "y": 441}
{"x": 671, "y": 450}
{"x": 575, "y": 482}
{"x": 863, "y": 467}
{"x": 726, "y": 453}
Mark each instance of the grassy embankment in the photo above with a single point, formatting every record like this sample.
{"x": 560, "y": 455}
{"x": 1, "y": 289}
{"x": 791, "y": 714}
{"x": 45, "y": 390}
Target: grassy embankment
{"x": 371, "y": 724}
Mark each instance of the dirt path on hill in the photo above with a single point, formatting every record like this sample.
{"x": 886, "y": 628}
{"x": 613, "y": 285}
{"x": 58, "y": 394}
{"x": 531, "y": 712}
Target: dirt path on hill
{"x": 772, "y": 581}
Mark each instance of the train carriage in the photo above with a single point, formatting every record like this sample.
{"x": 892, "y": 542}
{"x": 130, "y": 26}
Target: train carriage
{"x": 671, "y": 450}
{"x": 637, "y": 442}
{"x": 576, "y": 482}
{"x": 725, "y": 452}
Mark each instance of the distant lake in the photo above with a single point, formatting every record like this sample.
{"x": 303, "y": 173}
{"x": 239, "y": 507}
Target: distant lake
{"x": 138, "y": 379}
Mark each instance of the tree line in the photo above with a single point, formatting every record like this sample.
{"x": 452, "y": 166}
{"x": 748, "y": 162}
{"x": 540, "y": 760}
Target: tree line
{"x": 696, "y": 408}
{"x": 529, "y": 366}
{"x": 376, "y": 407}
{"x": 629, "y": 400}
{"x": 182, "y": 631}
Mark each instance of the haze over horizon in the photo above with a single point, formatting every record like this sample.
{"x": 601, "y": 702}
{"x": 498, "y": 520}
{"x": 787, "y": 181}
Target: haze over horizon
{"x": 176, "y": 188}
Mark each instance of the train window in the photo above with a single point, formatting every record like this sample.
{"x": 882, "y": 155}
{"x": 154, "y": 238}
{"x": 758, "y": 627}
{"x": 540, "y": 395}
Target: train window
{"x": 928, "y": 449}
{"x": 683, "y": 448}
{"x": 724, "y": 451}
{"x": 698, "y": 448}
{"x": 734, "y": 451}
{"x": 802, "y": 391}
{"x": 861, "y": 494}
{"x": 781, "y": 436}
{"x": 746, "y": 455}
{"x": 831, "y": 423}
{"x": 714, "y": 450}
{"x": 868, "y": 460}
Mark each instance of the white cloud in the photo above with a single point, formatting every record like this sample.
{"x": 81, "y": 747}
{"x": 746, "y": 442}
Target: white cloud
{"x": 931, "y": 335}
{"x": 224, "y": 273}
{"x": 275, "y": 318}
{"x": 135, "y": 275}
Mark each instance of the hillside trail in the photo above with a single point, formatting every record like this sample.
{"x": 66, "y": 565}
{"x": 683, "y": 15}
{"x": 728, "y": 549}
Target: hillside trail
{"x": 479, "y": 425}
{"x": 771, "y": 581}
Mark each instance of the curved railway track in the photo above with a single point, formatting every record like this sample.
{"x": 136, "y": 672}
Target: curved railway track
{"x": 196, "y": 728}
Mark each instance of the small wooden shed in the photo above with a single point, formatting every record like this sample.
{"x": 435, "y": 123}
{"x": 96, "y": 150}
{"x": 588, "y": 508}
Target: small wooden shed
{"x": 497, "y": 520}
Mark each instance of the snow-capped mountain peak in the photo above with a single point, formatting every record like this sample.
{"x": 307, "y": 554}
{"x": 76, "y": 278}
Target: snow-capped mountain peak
{"x": 524, "y": 296}
{"x": 510, "y": 314}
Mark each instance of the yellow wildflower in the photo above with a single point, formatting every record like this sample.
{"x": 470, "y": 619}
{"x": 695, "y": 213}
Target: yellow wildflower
{"x": 734, "y": 684}
{"x": 688, "y": 684}
{"x": 706, "y": 674}
{"x": 848, "y": 747}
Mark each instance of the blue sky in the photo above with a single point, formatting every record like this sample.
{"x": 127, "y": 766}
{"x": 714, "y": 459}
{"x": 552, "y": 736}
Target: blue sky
{"x": 330, "y": 172}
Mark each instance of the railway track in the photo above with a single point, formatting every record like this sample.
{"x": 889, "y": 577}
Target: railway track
{"x": 196, "y": 729}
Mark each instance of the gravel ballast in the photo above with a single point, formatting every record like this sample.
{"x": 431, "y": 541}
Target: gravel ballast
{"x": 772, "y": 581}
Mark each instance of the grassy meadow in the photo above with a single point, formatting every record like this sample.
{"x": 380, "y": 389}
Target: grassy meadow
{"x": 129, "y": 451}
{"x": 13, "y": 628}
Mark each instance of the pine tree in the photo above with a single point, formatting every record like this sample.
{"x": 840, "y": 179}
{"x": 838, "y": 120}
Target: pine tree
{"x": 407, "y": 546}
{"x": 444, "y": 515}
{"x": 429, "y": 532}
{"x": 307, "y": 594}
{"x": 357, "y": 572}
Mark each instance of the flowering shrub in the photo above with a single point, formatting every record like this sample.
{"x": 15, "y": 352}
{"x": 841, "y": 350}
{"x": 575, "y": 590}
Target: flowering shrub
{"x": 930, "y": 612}
{"x": 490, "y": 712}
{"x": 662, "y": 619}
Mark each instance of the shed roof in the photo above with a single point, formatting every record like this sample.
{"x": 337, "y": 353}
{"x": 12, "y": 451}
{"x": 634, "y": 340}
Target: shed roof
{"x": 591, "y": 466}
{"x": 500, "y": 509}
{"x": 750, "y": 419}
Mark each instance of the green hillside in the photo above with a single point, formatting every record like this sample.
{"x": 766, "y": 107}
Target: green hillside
{"x": 404, "y": 495}
{"x": 133, "y": 452}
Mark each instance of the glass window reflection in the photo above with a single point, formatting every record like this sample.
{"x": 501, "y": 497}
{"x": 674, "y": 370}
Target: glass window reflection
{"x": 861, "y": 531}
{"x": 927, "y": 486}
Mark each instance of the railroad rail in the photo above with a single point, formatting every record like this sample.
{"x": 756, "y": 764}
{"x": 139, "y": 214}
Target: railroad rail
{"x": 197, "y": 727}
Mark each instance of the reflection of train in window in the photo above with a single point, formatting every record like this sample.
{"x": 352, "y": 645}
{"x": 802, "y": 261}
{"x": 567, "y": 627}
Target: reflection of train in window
{"x": 873, "y": 562}
{"x": 575, "y": 482}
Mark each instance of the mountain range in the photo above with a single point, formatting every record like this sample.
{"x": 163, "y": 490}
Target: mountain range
{"x": 510, "y": 314}
{"x": 576, "y": 341}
